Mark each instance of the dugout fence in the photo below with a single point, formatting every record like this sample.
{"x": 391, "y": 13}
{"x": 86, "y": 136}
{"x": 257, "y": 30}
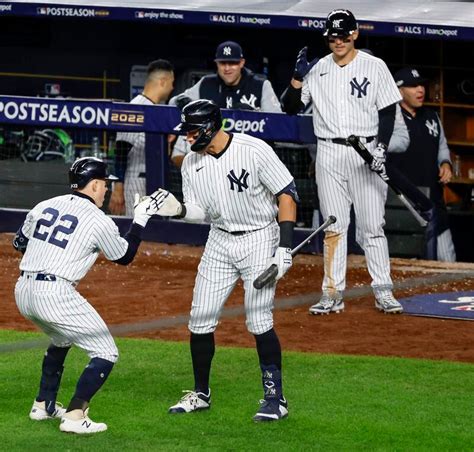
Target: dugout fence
{"x": 40, "y": 137}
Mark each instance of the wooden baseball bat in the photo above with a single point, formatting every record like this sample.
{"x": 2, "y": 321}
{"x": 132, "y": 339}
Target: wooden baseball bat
{"x": 270, "y": 273}
{"x": 368, "y": 158}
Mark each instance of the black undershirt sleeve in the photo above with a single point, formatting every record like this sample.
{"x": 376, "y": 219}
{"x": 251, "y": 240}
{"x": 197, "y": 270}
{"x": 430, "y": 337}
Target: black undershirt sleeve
{"x": 133, "y": 237}
{"x": 291, "y": 100}
{"x": 386, "y": 124}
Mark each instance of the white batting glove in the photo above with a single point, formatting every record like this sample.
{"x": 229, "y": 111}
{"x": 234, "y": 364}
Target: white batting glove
{"x": 168, "y": 205}
{"x": 378, "y": 163}
{"x": 142, "y": 209}
{"x": 283, "y": 260}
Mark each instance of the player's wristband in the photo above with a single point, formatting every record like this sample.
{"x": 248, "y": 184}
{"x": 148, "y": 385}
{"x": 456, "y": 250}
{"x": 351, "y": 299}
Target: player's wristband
{"x": 286, "y": 233}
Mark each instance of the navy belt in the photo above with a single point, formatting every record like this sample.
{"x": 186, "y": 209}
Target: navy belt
{"x": 344, "y": 141}
{"x": 235, "y": 232}
{"x": 41, "y": 276}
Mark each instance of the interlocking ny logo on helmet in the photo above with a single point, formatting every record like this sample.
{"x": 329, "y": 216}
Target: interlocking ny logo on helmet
{"x": 85, "y": 169}
{"x": 204, "y": 117}
{"x": 340, "y": 22}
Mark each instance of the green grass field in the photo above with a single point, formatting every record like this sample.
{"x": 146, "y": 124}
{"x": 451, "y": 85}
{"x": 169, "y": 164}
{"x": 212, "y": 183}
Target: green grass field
{"x": 335, "y": 402}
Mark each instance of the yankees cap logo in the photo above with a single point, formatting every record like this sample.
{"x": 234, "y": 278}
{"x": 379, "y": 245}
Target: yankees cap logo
{"x": 227, "y": 50}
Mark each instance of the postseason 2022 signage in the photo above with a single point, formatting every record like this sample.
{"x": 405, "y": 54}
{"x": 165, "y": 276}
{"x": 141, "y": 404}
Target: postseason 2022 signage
{"x": 36, "y": 111}
{"x": 226, "y": 18}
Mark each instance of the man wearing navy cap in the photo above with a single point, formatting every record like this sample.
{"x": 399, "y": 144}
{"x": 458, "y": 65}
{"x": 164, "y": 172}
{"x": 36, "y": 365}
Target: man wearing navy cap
{"x": 234, "y": 86}
{"x": 425, "y": 160}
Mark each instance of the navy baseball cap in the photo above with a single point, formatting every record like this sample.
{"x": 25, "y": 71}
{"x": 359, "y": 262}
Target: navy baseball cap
{"x": 229, "y": 51}
{"x": 408, "y": 76}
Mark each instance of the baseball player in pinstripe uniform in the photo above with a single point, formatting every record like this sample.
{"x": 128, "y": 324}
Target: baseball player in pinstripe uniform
{"x": 61, "y": 239}
{"x": 239, "y": 185}
{"x": 130, "y": 147}
{"x": 353, "y": 93}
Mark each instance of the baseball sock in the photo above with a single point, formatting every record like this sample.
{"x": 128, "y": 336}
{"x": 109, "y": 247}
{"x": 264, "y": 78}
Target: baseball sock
{"x": 269, "y": 354}
{"x": 90, "y": 381}
{"x": 202, "y": 352}
{"x": 51, "y": 374}
{"x": 268, "y": 349}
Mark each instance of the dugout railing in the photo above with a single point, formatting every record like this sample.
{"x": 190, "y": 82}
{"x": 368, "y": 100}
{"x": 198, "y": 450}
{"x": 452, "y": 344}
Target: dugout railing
{"x": 88, "y": 127}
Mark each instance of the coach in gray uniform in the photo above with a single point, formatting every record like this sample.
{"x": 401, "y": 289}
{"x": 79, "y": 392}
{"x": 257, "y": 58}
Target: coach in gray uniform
{"x": 424, "y": 159}
{"x": 61, "y": 238}
{"x": 234, "y": 85}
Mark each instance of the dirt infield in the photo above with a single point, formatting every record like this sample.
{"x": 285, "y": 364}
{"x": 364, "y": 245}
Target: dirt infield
{"x": 152, "y": 296}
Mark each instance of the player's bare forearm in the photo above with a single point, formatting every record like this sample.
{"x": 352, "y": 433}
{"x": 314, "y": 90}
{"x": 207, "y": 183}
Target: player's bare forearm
{"x": 117, "y": 200}
{"x": 286, "y": 208}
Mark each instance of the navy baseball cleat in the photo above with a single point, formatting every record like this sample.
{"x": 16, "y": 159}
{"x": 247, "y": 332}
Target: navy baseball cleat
{"x": 271, "y": 410}
{"x": 192, "y": 401}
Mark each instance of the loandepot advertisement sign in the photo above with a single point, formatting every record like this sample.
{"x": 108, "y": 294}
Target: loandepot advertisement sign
{"x": 243, "y": 125}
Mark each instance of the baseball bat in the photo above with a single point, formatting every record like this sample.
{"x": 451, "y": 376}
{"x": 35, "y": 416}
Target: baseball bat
{"x": 270, "y": 273}
{"x": 368, "y": 158}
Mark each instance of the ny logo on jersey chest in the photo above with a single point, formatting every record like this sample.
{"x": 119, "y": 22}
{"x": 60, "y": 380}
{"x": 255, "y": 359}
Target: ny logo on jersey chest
{"x": 359, "y": 88}
{"x": 239, "y": 182}
{"x": 432, "y": 127}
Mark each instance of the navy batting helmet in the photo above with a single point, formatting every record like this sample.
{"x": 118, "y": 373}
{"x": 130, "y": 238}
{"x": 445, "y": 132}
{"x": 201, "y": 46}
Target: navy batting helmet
{"x": 86, "y": 169}
{"x": 340, "y": 22}
{"x": 203, "y": 116}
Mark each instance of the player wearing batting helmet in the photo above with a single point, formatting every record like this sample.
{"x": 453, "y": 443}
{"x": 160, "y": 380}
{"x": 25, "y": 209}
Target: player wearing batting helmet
{"x": 352, "y": 93}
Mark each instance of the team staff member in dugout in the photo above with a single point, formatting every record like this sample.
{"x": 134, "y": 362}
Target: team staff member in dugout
{"x": 234, "y": 85}
{"x": 352, "y": 93}
{"x": 425, "y": 159}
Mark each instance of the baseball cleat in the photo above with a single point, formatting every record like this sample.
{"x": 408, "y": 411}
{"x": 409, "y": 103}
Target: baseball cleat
{"x": 78, "y": 421}
{"x": 192, "y": 401}
{"x": 271, "y": 410}
{"x": 38, "y": 411}
{"x": 388, "y": 304}
{"x": 328, "y": 304}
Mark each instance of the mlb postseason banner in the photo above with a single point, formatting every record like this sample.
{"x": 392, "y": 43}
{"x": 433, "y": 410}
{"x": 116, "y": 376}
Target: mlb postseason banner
{"x": 65, "y": 113}
{"x": 169, "y": 16}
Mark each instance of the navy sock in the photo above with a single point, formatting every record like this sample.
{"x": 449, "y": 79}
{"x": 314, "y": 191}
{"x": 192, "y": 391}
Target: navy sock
{"x": 269, "y": 355}
{"x": 268, "y": 349}
{"x": 202, "y": 352}
{"x": 51, "y": 374}
{"x": 90, "y": 381}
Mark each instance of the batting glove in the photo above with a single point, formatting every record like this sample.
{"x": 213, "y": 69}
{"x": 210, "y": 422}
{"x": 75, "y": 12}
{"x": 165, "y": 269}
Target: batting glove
{"x": 302, "y": 66}
{"x": 142, "y": 209}
{"x": 283, "y": 260}
{"x": 168, "y": 205}
{"x": 378, "y": 163}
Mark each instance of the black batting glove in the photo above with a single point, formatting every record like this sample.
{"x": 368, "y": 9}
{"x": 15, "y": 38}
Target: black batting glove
{"x": 302, "y": 67}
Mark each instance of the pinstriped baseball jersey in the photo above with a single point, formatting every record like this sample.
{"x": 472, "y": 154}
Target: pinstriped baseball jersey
{"x": 237, "y": 191}
{"x": 237, "y": 188}
{"x": 346, "y": 99}
{"x": 134, "y": 183}
{"x": 65, "y": 236}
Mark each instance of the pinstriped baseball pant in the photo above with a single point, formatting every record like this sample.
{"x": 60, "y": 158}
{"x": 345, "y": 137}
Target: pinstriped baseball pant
{"x": 344, "y": 179}
{"x": 227, "y": 258}
{"x": 64, "y": 315}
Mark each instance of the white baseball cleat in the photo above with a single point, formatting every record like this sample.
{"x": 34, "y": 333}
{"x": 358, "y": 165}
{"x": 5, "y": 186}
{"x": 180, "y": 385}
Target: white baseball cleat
{"x": 38, "y": 411}
{"x": 192, "y": 401}
{"x": 388, "y": 304}
{"x": 78, "y": 421}
{"x": 328, "y": 304}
